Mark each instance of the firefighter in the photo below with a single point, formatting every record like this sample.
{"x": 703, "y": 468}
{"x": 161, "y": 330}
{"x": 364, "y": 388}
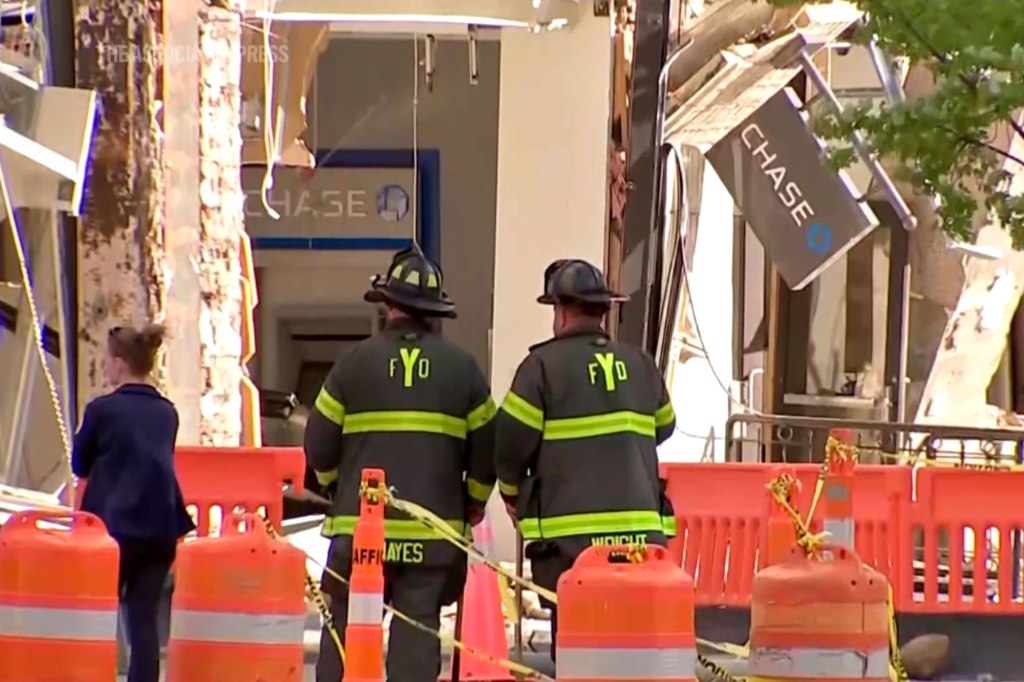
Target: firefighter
{"x": 576, "y": 434}
{"x": 417, "y": 406}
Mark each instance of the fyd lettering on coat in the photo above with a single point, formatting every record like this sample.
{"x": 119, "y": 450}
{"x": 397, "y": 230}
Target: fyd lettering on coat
{"x": 612, "y": 370}
{"x": 789, "y": 193}
{"x": 413, "y": 366}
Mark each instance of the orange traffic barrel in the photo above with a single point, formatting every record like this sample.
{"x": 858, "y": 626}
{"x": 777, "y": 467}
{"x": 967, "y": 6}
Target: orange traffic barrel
{"x": 838, "y": 488}
{"x": 238, "y": 612}
{"x": 779, "y": 530}
{"x": 364, "y": 640}
{"x": 820, "y": 619}
{"x": 58, "y": 599}
{"x": 625, "y": 614}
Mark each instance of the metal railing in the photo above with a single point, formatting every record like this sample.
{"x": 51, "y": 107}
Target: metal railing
{"x": 785, "y": 438}
{"x": 792, "y": 439}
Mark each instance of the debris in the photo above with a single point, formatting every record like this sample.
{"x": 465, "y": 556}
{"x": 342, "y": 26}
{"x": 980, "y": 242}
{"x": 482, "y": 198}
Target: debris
{"x": 925, "y": 657}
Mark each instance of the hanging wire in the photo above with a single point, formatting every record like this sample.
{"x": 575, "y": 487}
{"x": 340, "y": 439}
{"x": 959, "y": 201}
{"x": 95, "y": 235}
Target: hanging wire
{"x": 415, "y": 138}
{"x": 271, "y": 137}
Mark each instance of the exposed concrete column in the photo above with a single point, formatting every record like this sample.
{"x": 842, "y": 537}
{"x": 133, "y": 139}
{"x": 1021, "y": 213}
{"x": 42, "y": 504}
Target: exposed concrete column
{"x": 159, "y": 240}
{"x": 221, "y": 224}
{"x": 121, "y": 250}
{"x": 181, "y": 122}
{"x": 555, "y": 104}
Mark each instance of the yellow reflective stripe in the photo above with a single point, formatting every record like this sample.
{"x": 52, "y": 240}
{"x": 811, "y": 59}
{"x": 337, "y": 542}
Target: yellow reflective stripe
{"x": 406, "y": 420}
{"x": 508, "y": 489}
{"x": 480, "y": 492}
{"x": 330, "y": 407}
{"x": 479, "y": 416}
{"x": 594, "y": 523}
{"x": 664, "y": 415}
{"x": 522, "y": 411}
{"x": 599, "y": 425}
{"x": 394, "y": 529}
{"x": 326, "y": 477}
{"x": 668, "y": 525}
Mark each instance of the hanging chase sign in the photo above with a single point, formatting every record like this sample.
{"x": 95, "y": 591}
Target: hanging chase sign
{"x": 805, "y": 214}
{"x": 356, "y": 208}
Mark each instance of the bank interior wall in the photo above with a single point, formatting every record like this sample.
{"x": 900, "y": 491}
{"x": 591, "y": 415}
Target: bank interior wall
{"x": 372, "y": 108}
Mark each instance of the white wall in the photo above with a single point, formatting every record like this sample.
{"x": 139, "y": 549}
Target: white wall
{"x": 362, "y": 99}
{"x": 552, "y": 184}
{"x": 698, "y": 395}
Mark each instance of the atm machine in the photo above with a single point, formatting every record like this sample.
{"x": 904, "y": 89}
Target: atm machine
{"x": 298, "y": 343}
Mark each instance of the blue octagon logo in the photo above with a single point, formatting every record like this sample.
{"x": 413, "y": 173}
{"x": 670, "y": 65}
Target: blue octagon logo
{"x": 392, "y": 203}
{"x": 819, "y": 238}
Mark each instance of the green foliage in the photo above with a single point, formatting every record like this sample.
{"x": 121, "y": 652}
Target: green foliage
{"x": 943, "y": 141}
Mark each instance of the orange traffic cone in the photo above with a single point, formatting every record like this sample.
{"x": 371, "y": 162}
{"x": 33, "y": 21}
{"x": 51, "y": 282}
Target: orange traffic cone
{"x": 483, "y": 625}
{"x": 364, "y": 643}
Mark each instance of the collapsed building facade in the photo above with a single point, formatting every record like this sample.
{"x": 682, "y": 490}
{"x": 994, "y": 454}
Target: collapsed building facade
{"x": 772, "y": 290}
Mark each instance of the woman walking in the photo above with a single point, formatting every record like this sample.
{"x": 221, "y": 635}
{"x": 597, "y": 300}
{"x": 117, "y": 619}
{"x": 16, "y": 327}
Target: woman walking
{"x": 125, "y": 448}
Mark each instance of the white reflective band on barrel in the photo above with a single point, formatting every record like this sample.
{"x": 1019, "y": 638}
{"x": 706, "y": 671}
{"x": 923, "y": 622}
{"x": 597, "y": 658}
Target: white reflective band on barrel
{"x": 238, "y": 628}
{"x": 811, "y": 663}
{"x": 67, "y": 624}
{"x": 625, "y": 664}
{"x": 840, "y": 530}
{"x": 365, "y": 609}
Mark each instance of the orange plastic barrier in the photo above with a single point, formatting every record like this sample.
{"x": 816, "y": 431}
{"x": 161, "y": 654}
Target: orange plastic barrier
{"x": 364, "y": 641}
{"x": 820, "y": 620}
{"x": 619, "y": 620}
{"x": 483, "y": 625}
{"x": 721, "y": 511}
{"x": 58, "y": 599}
{"x": 239, "y": 609}
{"x": 233, "y": 478}
{"x": 952, "y": 505}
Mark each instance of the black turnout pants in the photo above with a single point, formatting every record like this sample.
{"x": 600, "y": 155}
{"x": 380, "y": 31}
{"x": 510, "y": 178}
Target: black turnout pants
{"x": 145, "y": 565}
{"x": 548, "y": 561}
{"x": 418, "y": 591}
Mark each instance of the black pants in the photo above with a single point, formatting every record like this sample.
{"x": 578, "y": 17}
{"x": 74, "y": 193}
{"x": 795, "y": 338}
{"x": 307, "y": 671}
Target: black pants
{"x": 418, "y": 591}
{"x": 145, "y": 565}
{"x": 548, "y": 561}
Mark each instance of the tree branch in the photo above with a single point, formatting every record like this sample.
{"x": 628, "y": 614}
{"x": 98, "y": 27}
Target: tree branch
{"x": 944, "y": 58}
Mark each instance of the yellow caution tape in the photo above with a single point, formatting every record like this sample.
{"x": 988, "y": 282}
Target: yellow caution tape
{"x": 446, "y": 532}
{"x": 437, "y": 524}
{"x": 735, "y": 650}
{"x": 726, "y": 676}
{"x": 812, "y": 546}
{"x": 328, "y": 619}
{"x": 819, "y": 486}
{"x": 318, "y": 596}
{"x": 446, "y": 639}
{"x": 922, "y": 460}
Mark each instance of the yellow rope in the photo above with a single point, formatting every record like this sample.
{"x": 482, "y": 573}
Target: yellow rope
{"x": 37, "y": 332}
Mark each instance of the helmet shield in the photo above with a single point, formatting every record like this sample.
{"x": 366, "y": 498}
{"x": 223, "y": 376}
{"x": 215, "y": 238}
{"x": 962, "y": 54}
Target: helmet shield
{"x": 413, "y": 282}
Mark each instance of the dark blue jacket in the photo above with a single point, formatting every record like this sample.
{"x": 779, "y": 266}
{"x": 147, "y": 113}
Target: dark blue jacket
{"x": 125, "y": 447}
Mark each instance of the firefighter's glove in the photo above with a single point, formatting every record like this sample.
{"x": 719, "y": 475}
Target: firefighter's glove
{"x": 475, "y": 514}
